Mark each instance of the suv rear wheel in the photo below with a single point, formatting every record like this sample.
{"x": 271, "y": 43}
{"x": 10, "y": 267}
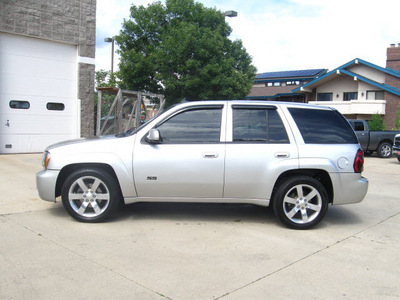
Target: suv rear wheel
{"x": 300, "y": 202}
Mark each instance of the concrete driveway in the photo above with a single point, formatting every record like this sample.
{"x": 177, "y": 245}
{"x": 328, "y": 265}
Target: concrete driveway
{"x": 197, "y": 251}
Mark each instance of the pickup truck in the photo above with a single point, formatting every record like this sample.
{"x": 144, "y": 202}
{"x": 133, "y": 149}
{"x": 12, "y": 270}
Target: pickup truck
{"x": 380, "y": 142}
{"x": 297, "y": 158}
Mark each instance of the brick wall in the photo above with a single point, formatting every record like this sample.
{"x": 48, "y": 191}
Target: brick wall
{"x": 72, "y": 22}
{"x": 392, "y": 101}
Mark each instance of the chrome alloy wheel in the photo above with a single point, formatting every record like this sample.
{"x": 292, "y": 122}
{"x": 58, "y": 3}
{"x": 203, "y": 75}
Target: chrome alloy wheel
{"x": 302, "y": 204}
{"x": 89, "y": 196}
{"x": 386, "y": 150}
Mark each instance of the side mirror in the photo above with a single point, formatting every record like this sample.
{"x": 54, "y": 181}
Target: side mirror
{"x": 153, "y": 137}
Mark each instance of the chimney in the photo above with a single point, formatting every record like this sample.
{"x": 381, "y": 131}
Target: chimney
{"x": 393, "y": 57}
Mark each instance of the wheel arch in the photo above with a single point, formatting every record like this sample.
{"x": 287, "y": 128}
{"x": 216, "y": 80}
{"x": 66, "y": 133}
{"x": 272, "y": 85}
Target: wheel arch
{"x": 321, "y": 175}
{"x": 67, "y": 170}
{"x": 385, "y": 141}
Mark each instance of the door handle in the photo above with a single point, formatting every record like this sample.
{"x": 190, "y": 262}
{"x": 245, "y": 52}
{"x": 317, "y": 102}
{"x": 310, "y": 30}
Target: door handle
{"x": 8, "y": 123}
{"x": 282, "y": 155}
{"x": 210, "y": 155}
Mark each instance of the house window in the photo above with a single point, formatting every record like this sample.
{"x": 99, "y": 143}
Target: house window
{"x": 350, "y": 96}
{"x": 324, "y": 96}
{"x": 277, "y": 83}
{"x": 269, "y": 84}
{"x": 375, "y": 95}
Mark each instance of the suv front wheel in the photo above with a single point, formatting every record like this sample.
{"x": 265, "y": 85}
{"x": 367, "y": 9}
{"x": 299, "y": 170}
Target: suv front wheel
{"x": 300, "y": 202}
{"x": 90, "y": 195}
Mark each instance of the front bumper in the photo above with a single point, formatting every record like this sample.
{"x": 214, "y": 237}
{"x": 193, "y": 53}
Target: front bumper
{"x": 46, "y": 184}
{"x": 396, "y": 151}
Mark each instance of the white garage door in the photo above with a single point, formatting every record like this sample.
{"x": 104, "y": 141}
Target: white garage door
{"x": 38, "y": 93}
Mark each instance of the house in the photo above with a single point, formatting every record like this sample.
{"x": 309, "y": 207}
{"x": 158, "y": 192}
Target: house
{"x": 47, "y": 59}
{"x": 359, "y": 89}
{"x": 278, "y": 86}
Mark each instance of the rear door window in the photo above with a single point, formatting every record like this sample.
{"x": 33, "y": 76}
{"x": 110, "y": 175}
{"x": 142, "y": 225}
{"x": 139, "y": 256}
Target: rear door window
{"x": 319, "y": 126}
{"x": 258, "y": 124}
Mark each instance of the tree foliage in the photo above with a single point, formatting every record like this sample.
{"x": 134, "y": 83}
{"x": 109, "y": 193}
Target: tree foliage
{"x": 105, "y": 78}
{"x": 182, "y": 50}
{"x": 376, "y": 122}
{"x": 397, "y": 121}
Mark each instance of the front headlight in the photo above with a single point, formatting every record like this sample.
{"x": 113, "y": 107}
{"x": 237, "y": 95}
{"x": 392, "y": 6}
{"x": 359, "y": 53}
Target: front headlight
{"x": 46, "y": 159}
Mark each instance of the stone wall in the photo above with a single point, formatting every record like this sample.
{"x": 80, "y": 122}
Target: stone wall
{"x": 72, "y": 22}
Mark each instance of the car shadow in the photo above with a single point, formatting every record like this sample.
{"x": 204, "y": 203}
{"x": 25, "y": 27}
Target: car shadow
{"x": 340, "y": 215}
{"x": 213, "y": 212}
{"x": 196, "y": 212}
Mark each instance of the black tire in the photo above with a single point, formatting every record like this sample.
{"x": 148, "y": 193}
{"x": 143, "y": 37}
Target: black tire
{"x": 368, "y": 153}
{"x": 85, "y": 204}
{"x": 300, "y": 202}
{"x": 384, "y": 150}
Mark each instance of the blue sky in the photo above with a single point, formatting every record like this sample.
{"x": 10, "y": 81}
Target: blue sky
{"x": 284, "y": 35}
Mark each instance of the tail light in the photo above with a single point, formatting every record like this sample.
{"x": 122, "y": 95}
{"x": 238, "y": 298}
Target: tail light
{"x": 359, "y": 161}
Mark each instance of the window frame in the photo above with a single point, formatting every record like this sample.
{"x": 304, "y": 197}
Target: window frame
{"x": 375, "y": 92}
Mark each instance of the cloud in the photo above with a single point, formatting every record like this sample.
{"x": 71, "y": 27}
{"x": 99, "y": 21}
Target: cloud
{"x": 289, "y": 34}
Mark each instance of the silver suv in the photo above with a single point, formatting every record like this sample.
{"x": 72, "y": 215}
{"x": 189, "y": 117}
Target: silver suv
{"x": 296, "y": 157}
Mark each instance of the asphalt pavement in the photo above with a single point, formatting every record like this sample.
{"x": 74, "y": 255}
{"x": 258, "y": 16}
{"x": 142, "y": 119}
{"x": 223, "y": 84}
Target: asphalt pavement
{"x": 197, "y": 251}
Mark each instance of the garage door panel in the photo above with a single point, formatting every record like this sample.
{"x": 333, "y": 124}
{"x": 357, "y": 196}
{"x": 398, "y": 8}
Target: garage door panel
{"x": 30, "y": 143}
{"x": 47, "y": 87}
{"x": 37, "y": 105}
{"x": 54, "y": 124}
{"x": 26, "y": 66}
{"x": 37, "y": 48}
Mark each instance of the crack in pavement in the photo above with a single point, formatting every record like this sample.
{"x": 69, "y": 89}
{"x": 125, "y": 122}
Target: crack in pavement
{"x": 306, "y": 257}
{"x": 84, "y": 257}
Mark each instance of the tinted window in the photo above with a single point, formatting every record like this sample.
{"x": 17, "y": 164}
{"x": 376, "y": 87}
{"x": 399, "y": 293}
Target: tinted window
{"x": 258, "y": 125}
{"x": 193, "y": 126}
{"x": 18, "y": 104}
{"x": 323, "y": 126}
{"x": 55, "y": 106}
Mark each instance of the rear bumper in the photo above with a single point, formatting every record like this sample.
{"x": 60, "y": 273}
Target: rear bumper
{"x": 351, "y": 188}
{"x": 46, "y": 184}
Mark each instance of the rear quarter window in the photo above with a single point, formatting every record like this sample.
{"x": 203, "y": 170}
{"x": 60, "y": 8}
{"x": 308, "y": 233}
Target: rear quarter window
{"x": 323, "y": 126}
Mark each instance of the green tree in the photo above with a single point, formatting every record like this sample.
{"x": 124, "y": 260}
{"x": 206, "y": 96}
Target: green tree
{"x": 376, "y": 122}
{"x": 182, "y": 50}
{"x": 397, "y": 122}
{"x": 104, "y": 78}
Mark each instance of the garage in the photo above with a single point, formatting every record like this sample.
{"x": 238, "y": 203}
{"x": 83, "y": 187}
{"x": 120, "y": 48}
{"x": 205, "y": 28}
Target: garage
{"x": 38, "y": 93}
